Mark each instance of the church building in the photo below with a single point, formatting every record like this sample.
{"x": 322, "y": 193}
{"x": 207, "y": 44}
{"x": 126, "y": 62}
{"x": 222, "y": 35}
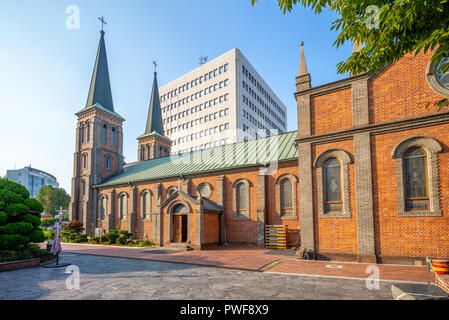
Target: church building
{"x": 364, "y": 178}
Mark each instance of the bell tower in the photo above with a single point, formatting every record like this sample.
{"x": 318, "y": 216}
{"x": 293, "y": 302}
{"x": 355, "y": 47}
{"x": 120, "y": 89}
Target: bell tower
{"x": 153, "y": 143}
{"x": 99, "y": 144}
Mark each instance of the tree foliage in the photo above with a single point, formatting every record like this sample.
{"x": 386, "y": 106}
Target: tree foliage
{"x": 387, "y": 29}
{"x": 52, "y": 198}
{"x": 19, "y": 220}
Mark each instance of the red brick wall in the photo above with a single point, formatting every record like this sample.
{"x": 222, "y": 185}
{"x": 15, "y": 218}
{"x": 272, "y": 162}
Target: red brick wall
{"x": 401, "y": 90}
{"x": 408, "y": 236}
{"x": 211, "y": 228}
{"x": 336, "y": 235}
{"x": 331, "y": 112}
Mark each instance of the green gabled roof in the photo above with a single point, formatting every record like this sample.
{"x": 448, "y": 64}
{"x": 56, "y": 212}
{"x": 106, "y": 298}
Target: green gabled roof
{"x": 238, "y": 155}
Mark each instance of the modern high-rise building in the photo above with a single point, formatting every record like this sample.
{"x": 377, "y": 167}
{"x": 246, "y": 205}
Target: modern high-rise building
{"x": 223, "y": 101}
{"x": 32, "y": 179}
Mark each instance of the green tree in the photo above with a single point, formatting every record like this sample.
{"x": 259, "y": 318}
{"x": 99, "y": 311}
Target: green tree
{"x": 52, "y": 198}
{"x": 19, "y": 218}
{"x": 388, "y": 29}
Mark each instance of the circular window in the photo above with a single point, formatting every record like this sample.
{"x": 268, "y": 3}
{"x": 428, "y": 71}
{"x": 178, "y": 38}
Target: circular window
{"x": 438, "y": 80}
{"x": 205, "y": 190}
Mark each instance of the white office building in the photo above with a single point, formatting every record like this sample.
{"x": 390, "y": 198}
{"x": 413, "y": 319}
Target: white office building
{"x": 32, "y": 179}
{"x": 223, "y": 101}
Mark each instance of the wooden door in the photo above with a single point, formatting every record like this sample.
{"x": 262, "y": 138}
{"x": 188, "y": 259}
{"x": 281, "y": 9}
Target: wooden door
{"x": 177, "y": 228}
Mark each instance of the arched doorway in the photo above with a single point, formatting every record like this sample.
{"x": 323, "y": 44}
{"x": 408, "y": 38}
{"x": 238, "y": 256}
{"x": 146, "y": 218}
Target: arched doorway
{"x": 179, "y": 224}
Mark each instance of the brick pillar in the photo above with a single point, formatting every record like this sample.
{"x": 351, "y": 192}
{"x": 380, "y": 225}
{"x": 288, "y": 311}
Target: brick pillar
{"x": 221, "y": 201}
{"x": 261, "y": 206}
{"x": 306, "y": 196}
{"x": 364, "y": 198}
{"x": 305, "y": 168}
{"x": 110, "y": 214}
{"x": 185, "y": 186}
{"x": 199, "y": 224}
{"x": 363, "y": 173}
{"x": 156, "y": 226}
{"x": 132, "y": 214}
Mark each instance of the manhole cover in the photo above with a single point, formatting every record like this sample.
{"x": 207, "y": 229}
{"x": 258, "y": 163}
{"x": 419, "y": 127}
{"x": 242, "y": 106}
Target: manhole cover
{"x": 332, "y": 266}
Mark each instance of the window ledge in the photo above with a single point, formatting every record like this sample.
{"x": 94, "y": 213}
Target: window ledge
{"x": 427, "y": 213}
{"x": 287, "y": 217}
{"x": 239, "y": 216}
{"x": 331, "y": 215}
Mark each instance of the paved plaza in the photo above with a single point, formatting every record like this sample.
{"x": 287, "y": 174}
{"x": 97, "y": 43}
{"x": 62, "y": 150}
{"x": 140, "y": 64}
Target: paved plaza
{"x": 134, "y": 279}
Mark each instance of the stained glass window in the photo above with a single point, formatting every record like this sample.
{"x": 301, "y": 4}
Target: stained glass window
{"x": 286, "y": 197}
{"x": 332, "y": 185}
{"x": 415, "y": 174}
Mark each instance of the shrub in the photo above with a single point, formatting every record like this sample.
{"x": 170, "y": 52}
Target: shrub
{"x": 74, "y": 226}
{"x": 146, "y": 243}
{"x": 3, "y": 217}
{"x": 35, "y": 206}
{"x": 37, "y": 236}
{"x": 49, "y": 234}
{"x": 112, "y": 236}
{"x": 16, "y": 188}
{"x": 48, "y": 223}
{"x": 17, "y": 209}
{"x": 125, "y": 233}
{"x": 94, "y": 240}
{"x": 103, "y": 239}
{"x": 13, "y": 241}
{"x": 18, "y": 226}
{"x": 22, "y": 228}
{"x": 81, "y": 239}
{"x": 35, "y": 221}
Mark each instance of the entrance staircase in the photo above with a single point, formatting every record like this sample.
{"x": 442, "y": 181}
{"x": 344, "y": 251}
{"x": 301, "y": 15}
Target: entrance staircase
{"x": 177, "y": 247}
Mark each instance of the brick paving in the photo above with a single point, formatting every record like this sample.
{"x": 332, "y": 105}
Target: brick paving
{"x": 253, "y": 258}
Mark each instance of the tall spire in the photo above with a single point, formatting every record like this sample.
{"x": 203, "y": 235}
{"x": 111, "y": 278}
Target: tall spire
{"x": 154, "y": 120}
{"x": 302, "y": 62}
{"x": 100, "y": 86}
{"x": 303, "y": 80}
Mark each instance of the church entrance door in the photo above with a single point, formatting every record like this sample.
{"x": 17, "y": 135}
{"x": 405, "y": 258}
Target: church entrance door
{"x": 179, "y": 228}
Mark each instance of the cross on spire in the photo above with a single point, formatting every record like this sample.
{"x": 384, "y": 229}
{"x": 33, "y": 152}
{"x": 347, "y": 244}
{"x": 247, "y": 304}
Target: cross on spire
{"x": 103, "y": 22}
{"x": 155, "y": 66}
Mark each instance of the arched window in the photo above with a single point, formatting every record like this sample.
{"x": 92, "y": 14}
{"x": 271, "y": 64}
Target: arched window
{"x": 146, "y": 204}
{"x": 415, "y": 180}
{"x": 88, "y": 132}
{"x": 104, "y": 134}
{"x": 417, "y": 177}
{"x": 123, "y": 205}
{"x": 82, "y": 134}
{"x": 241, "y": 194}
{"x": 85, "y": 160}
{"x": 286, "y": 197}
{"x": 113, "y": 137}
{"x": 107, "y": 161}
{"x": 332, "y": 186}
{"x": 180, "y": 208}
{"x": 83, "y": 188}
{"x": 102, "y": 207}
{"x": 332, "y": 172}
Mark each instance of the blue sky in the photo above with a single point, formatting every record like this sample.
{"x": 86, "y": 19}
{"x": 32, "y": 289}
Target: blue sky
{"x": 45, "y": 68}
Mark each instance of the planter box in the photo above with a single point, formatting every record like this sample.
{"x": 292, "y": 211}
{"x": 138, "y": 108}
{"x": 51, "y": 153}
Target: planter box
{"x": 22, "y": 264}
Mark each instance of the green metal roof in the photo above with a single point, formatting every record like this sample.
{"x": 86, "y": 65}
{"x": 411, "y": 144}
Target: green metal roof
{"x": 238, "y": 155}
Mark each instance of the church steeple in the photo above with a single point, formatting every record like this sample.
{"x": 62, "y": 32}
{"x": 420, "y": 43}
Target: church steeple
{"x": 100, "y": 86}
{"x": 303, "y": 80}
{"x": 153, "y": 143}
{"x": 154, "y": 119}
